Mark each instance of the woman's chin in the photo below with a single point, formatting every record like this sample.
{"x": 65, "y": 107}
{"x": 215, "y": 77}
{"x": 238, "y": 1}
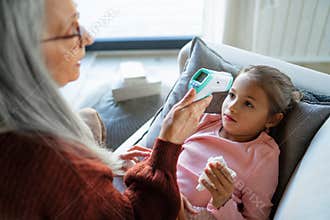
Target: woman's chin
{"x": 75, "y": 75}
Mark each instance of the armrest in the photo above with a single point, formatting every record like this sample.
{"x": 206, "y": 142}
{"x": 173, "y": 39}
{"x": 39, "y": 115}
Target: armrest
{"x": 133, "y": 138}
{"x": 307, "y": 195}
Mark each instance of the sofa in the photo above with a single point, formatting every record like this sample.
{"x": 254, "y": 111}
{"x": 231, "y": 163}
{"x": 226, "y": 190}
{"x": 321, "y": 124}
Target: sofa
{"x": 304, "y": 138}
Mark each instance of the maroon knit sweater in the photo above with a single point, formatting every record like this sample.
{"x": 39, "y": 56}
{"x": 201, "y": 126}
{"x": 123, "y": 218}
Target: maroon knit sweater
{"x": 46, "y": 178}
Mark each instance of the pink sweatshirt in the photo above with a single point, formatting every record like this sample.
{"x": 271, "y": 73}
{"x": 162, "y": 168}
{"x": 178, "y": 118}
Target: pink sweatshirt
{"x": 255, "y": 163}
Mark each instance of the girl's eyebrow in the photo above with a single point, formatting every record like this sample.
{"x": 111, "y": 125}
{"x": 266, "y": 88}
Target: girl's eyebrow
{"x": 250, "y": 97}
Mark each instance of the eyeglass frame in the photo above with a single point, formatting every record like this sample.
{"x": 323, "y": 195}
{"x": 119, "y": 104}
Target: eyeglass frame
{"x": 79, "y": 35}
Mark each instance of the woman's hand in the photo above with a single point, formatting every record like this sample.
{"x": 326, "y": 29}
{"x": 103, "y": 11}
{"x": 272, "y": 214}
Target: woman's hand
{"x": 131, "y": 156}
{"x": 223, "y": 184}
{"x": 185, "y": 205}
{"x": 182, "y": 120}
{"x": 136, "y": 151}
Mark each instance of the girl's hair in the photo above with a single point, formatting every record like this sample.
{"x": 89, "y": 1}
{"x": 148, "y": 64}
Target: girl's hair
{"x": 278, "y": 87}
{"x": 29, "y": 98}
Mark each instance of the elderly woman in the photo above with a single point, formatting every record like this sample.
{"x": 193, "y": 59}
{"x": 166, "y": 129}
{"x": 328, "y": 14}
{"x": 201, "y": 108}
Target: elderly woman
{"x": 51, "y": 166}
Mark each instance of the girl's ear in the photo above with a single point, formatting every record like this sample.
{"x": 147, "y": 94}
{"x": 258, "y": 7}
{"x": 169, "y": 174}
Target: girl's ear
{"x": 274, "y": 120}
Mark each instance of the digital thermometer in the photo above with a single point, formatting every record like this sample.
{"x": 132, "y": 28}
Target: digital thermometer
{"x": 206, "y": 81}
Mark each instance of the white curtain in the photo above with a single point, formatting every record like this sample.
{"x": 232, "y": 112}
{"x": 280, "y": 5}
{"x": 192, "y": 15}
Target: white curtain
{"x": 214, "y": 20}
{"x": 230, "y": 22}
{"x": 292, "y": 30}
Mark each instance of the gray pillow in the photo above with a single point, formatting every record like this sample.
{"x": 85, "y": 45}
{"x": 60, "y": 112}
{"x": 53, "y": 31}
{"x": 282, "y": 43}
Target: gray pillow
{"x": 293, "y": 135}
{"x": 200, "y": 56}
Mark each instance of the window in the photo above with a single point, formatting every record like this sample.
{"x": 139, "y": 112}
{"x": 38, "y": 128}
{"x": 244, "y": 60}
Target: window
{"x": 143, "y": 20}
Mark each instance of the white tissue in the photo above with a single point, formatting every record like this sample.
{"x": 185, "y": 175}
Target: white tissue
{"x": 203, "y": 176}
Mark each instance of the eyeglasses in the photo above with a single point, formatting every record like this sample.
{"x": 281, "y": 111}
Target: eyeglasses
{"x": 78, "y": 34}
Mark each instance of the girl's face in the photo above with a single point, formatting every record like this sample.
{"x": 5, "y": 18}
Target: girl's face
{"x": 63, "y": 47}
{"x": 245, "y": 111}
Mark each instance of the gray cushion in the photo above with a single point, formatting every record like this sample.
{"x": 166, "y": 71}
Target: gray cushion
{"x": 200, "y": 56}
{"x": 293, "y": 136}
{"x": 122, "y": 119}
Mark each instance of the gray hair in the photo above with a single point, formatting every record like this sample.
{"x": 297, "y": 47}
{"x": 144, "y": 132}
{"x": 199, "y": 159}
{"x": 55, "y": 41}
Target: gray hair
{"x": 29, "y": 98}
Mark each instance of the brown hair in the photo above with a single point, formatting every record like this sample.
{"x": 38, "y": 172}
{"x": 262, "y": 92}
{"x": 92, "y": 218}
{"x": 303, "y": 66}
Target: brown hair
{"x": 278, "y": 87}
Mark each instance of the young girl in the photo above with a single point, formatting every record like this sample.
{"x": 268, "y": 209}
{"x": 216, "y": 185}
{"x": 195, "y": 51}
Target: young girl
{"x": 258, "y": 100}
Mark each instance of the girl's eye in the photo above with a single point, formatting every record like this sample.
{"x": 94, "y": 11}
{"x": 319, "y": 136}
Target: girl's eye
{"x": 231, "y": 95}
{"x": 249, "y": 104}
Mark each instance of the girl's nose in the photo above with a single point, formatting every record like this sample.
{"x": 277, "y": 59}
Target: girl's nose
{"x": 233, "y": 106}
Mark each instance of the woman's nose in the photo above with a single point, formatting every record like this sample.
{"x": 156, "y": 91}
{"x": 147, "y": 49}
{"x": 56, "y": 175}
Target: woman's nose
{"x": 86, "y": 37}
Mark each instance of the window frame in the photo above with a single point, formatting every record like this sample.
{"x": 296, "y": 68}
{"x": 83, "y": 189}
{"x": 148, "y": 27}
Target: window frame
{"x": 139, "y": 43}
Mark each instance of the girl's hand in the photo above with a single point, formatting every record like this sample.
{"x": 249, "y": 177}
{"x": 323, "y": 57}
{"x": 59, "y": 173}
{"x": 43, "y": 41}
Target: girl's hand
{"x": 131, "y": 156}
{"x": 182, "y": 120}
{"x": 223, "y": 184}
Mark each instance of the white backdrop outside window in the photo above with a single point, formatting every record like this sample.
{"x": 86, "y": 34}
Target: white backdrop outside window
{"x": 143, "y": 18}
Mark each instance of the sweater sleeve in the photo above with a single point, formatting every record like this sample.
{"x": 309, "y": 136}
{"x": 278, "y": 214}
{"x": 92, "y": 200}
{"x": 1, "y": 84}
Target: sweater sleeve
{"x": 152, "y": 183}
{"x": 152, "y": 191}
{"x": 47, "y": 182}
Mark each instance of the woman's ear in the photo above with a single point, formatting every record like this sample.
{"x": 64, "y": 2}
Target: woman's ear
{"x": 274, "y": 120}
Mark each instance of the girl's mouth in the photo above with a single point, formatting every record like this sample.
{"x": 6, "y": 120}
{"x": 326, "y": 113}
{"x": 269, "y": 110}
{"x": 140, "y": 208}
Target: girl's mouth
{"x": 228, "y": 118}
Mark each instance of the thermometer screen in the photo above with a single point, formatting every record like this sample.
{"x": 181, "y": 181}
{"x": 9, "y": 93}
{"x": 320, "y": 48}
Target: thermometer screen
{"x": 201, "y": 77}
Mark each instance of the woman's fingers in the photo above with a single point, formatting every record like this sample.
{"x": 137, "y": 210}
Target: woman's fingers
{"x": 140, "y": 148}
{"x": 187, "y": 205}
{"x": 135, "y": 153}
{"x": 182, "y": 120}
{"x": 200, "y": 106}
{"x": 181, "y": 215}
{"x": 197, "y": 107}
{"x": 187, "y": 99}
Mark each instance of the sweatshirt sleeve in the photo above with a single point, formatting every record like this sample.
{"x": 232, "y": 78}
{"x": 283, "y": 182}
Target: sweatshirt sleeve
{"x": 252, "y": 197}
{"x": 260, "y": 187}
